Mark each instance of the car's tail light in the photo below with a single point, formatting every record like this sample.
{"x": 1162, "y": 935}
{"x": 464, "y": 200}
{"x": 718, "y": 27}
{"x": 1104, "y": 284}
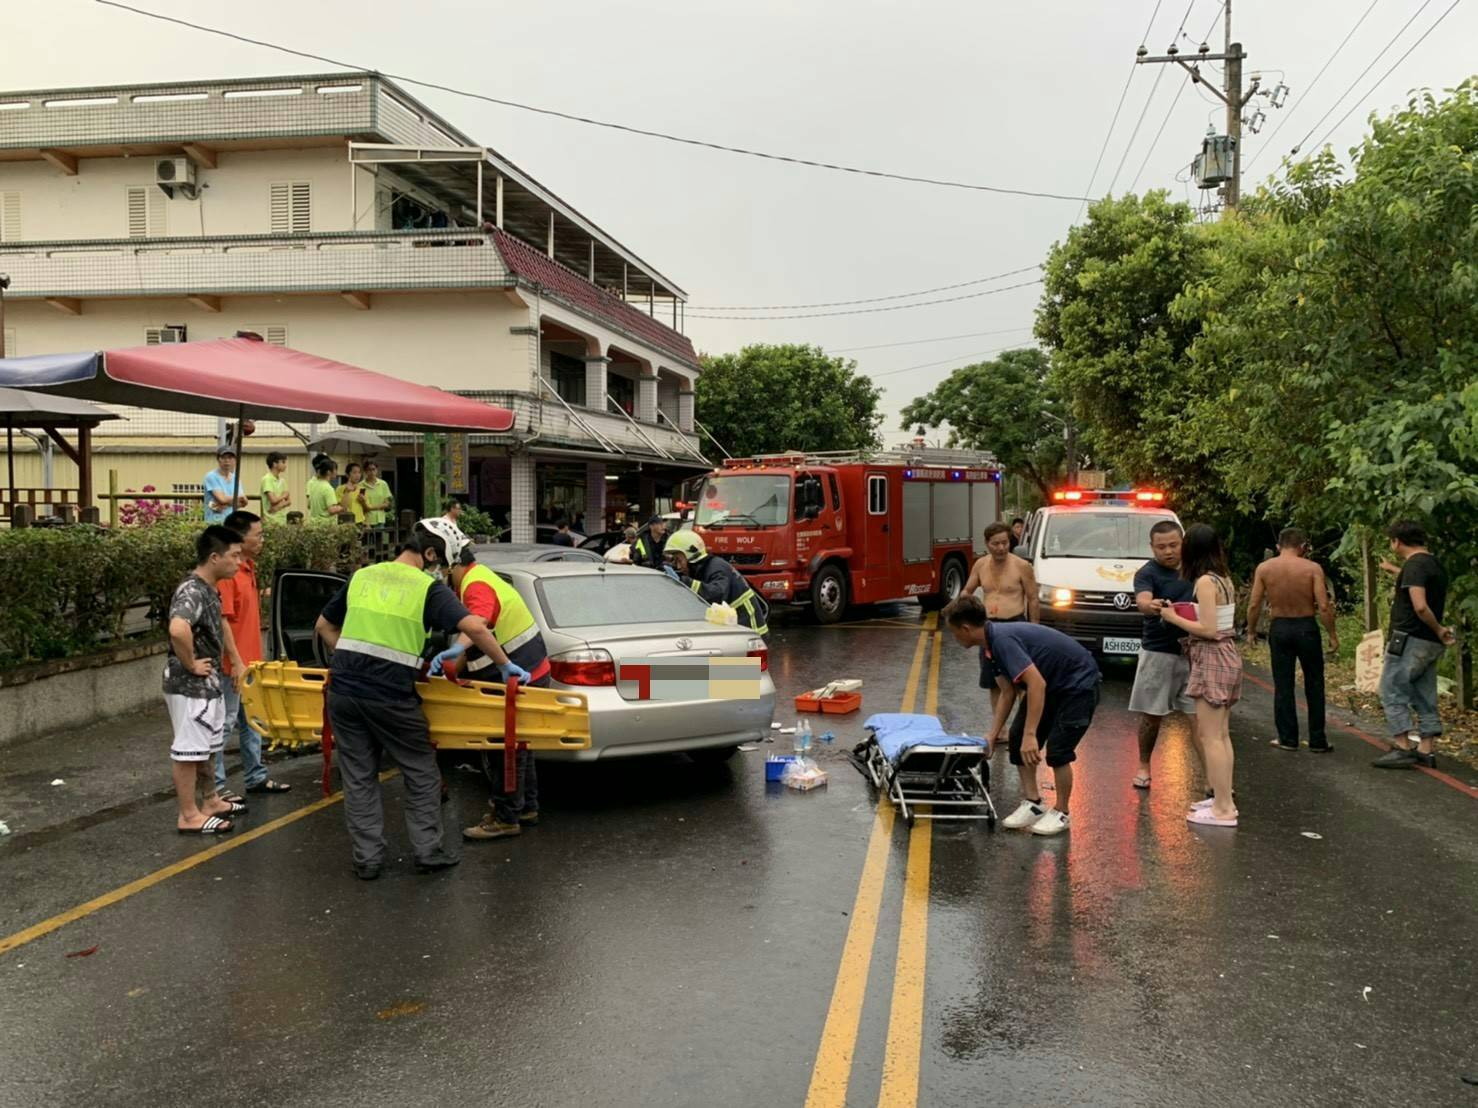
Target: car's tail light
{"x": 590, "y": 668}
{"x": 758, "y": 649}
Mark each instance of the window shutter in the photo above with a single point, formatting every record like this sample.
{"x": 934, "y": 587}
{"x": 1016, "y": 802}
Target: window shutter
{"x": 10, "y": 216}
{"x": 272, "y": 334}
{"x": 145, "y": 212}
{"x": 138, "y": 213}
{"x": 291, "y": 207}
{"x": 302, "y": 219}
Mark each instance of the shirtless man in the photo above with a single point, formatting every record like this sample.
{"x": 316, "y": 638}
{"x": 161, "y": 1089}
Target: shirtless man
{"x": 1010, "y": 589}
{"x": 1008, "y": 581}
{"x": 1293, "y": 586}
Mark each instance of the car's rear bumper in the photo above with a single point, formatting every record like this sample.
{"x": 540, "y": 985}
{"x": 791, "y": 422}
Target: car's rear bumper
{"x": 622, "y": 728}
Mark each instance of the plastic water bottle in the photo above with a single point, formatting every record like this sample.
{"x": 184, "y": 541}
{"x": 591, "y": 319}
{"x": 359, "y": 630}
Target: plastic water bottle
{"x": 803, "y": 734}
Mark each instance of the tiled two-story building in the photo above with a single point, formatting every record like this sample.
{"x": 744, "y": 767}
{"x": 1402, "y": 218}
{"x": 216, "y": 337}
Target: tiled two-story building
{"x": 339, "y": 216}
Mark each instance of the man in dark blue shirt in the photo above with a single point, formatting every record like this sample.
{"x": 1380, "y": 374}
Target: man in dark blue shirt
{"x": 1163, "y": 672}
{"x": 1061, "y": 681}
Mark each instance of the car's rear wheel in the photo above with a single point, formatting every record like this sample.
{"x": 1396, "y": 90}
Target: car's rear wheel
{"x": 829, "y": 594}
{"x": 713, "y": 755}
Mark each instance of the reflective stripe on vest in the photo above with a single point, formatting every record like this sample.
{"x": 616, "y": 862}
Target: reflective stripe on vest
{"x": 386, "y": 616}
{"x": 515, "y": 625}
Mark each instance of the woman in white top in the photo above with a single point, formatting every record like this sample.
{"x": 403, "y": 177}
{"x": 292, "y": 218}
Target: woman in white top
{"x": 1216, "y": 666}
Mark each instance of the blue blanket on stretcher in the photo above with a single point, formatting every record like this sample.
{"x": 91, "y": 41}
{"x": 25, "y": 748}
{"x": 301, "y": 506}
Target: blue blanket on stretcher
{"x": 899, "y": 732}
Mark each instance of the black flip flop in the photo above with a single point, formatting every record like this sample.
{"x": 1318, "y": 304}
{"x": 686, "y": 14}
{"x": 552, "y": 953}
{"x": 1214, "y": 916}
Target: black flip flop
{"x": 213, "y": 825}
{"x": 269, "y": 787}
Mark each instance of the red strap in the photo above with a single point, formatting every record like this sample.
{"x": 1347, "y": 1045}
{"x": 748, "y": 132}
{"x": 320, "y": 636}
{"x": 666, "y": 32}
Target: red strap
{"x": 510, "y": 737}
{"x": 328, "y": 739}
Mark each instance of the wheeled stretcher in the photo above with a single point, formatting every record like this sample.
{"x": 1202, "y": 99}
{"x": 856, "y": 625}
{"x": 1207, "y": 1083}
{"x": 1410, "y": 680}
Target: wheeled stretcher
{"x": 285, "y": 704}
{"x": 914, "y": 761}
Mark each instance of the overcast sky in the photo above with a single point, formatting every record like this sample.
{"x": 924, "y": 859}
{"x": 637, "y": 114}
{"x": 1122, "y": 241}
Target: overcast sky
{"x": 1017, "y": 95}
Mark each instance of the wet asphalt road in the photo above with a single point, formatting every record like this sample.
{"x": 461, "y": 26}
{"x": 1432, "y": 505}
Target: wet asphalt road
{"x": 679, "y": 935}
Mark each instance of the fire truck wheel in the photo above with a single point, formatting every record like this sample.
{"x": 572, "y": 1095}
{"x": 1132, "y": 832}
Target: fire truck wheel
{"x": 951, "y": 581}
{"x": 829, "y": 594}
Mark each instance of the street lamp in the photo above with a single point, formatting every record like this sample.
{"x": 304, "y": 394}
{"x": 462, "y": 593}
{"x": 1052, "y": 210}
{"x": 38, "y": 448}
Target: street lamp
{"x": 1069, "y": 444}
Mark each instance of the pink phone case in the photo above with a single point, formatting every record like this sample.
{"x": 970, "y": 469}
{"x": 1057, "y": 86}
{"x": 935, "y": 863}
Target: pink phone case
{"x": 1185, "y": 609}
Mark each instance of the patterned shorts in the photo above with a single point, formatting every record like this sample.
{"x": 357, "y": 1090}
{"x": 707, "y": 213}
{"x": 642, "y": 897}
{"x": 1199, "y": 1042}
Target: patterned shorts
{"x": 1216, "y": 670}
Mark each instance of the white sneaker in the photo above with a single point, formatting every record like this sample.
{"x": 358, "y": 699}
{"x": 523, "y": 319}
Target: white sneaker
{"x": 1026, "y": 814}
{"x": 1052, "y": 822}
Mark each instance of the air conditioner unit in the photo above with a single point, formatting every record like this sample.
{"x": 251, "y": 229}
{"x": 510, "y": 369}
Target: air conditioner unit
{"x": 176, "y": 177}
{"x": 169, "y": 333}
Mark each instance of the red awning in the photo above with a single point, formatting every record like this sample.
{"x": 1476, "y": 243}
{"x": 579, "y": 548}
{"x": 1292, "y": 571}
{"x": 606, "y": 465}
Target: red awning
{"x": 225, "y": 376}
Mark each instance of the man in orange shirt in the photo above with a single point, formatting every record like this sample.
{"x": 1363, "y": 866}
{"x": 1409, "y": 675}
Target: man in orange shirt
{"x": 242, "y": 624}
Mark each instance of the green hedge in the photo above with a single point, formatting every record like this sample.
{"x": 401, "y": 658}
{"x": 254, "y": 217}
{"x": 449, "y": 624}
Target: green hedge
{"x": 65, "y": 590}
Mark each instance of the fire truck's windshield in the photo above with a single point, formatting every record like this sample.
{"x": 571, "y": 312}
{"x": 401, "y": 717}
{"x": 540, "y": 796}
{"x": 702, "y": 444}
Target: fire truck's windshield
{"x": 753, "y": 500}
{"x": 1119, "y": 535}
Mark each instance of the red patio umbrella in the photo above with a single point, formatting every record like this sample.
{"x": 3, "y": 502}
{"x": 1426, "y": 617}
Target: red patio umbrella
{"x": 243, "y": 377}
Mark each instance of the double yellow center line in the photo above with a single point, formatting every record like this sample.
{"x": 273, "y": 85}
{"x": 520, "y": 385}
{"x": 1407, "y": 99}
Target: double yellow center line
{"x": 832, "y": 1071}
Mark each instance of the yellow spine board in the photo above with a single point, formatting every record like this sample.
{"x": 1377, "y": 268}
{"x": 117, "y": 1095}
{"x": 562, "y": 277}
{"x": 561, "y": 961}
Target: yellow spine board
{"x": 284, "y": 704}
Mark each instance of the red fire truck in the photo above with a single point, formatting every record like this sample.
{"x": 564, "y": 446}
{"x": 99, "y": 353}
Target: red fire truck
{"x": 831, "y": 530}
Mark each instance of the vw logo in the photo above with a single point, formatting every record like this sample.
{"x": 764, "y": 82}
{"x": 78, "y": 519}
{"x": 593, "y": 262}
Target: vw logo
{"x": 685, "y": 644}
{"x": 1122, "y": 600}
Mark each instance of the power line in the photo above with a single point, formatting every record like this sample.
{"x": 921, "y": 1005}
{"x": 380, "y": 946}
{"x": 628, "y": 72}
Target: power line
{"x": 919, "y": 342}
{"x": 869, "y": 311}
{"x": 1117, "y": 109}
{"x": 1300, "y": 143}
{"x": 964, "y": 360}
{"x": 1371, "y": 91}
{"x": 1148, "y": 100}
{"x": 1268, "y": 142}
{"x": 814, "y": 164}
{"x": 868, "y": 300}
{"x": 1179, "y": 90}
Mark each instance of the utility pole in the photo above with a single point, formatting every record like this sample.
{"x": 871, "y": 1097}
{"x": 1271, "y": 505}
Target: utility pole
{"x": 1230, "y": 94}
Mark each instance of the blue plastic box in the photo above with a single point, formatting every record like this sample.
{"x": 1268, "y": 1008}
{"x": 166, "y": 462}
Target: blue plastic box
{"x": 775, "y": 766}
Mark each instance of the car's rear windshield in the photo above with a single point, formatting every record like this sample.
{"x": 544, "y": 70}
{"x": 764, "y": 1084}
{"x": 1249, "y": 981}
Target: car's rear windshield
{"x": 602, "y": 599}
{"x": 1118, "y": 535}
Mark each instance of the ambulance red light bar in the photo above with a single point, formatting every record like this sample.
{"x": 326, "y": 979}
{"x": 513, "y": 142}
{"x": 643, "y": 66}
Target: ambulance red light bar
{"x": 1105, "y": 496}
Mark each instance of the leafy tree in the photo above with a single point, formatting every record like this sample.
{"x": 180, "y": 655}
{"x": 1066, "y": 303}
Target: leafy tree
{"x": 767, "y": 399}
{"x": 1005, "y": 406}
{"x": 1118, "y": 351}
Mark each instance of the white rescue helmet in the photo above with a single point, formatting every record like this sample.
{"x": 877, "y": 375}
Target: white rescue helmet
{"x": 451, "y": 536}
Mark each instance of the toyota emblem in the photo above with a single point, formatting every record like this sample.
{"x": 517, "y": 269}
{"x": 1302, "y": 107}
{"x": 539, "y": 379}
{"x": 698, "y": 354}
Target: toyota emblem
{"x": 685, "y": 644}
{"x": 1122, "y": 601}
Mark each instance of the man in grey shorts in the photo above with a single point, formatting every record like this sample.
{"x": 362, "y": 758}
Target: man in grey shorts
{"x": 1160, "y": 681}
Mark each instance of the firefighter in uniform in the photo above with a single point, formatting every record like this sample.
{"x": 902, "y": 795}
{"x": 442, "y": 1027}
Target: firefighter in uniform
{"x": 486, "y": 594}
{"x": 376, "y": 626}
{"x": 648, "y": 549}
{"x": 714, "y": 580}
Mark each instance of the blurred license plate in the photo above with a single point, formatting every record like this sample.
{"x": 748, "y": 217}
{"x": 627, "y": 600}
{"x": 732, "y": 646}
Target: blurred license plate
{"x": 1121, "y": 646}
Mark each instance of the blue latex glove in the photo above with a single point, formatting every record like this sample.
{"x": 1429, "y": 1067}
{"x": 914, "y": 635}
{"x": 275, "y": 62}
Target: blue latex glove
{"x": 450, "y": 654}
{"x": 513, "y": 669}
{"x": 672, "y": 573}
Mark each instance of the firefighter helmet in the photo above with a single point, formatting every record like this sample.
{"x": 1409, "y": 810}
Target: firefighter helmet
{"x": 687, "y": 543}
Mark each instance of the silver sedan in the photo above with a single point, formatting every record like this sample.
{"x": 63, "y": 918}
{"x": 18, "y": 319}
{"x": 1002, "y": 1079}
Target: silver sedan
{"x": 597, "y": 618}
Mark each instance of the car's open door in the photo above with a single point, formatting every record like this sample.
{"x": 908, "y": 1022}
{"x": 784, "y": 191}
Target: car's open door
{"x": 298, "y": 596}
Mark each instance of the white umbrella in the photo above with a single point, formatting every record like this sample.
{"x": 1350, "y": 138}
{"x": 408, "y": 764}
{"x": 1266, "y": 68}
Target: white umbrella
{"x": 349, "y": 440}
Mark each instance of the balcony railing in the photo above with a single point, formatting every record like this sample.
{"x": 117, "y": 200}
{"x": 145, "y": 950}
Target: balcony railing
{"x": 217, "y": 112}
{"x": 544, "y": 420}
{"x": 241, "y": 264}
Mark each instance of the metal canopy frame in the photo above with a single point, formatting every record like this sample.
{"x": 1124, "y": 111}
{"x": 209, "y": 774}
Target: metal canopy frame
{"x": 475, "y": 181}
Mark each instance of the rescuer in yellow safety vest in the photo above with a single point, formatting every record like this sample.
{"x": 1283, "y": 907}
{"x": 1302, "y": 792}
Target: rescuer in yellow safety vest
{"x": 376, "y": 626}
{"x": 486, "y": 594}
{"x": 714, "y": 580}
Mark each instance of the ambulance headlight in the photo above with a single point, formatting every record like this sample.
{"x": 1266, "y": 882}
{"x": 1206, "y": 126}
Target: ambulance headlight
{"x": 1057, "y": 597}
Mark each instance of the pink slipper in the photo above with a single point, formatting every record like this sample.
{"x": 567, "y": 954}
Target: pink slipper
{"x": 1198, "y": 805}
{"x": 1204, "y": 817}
